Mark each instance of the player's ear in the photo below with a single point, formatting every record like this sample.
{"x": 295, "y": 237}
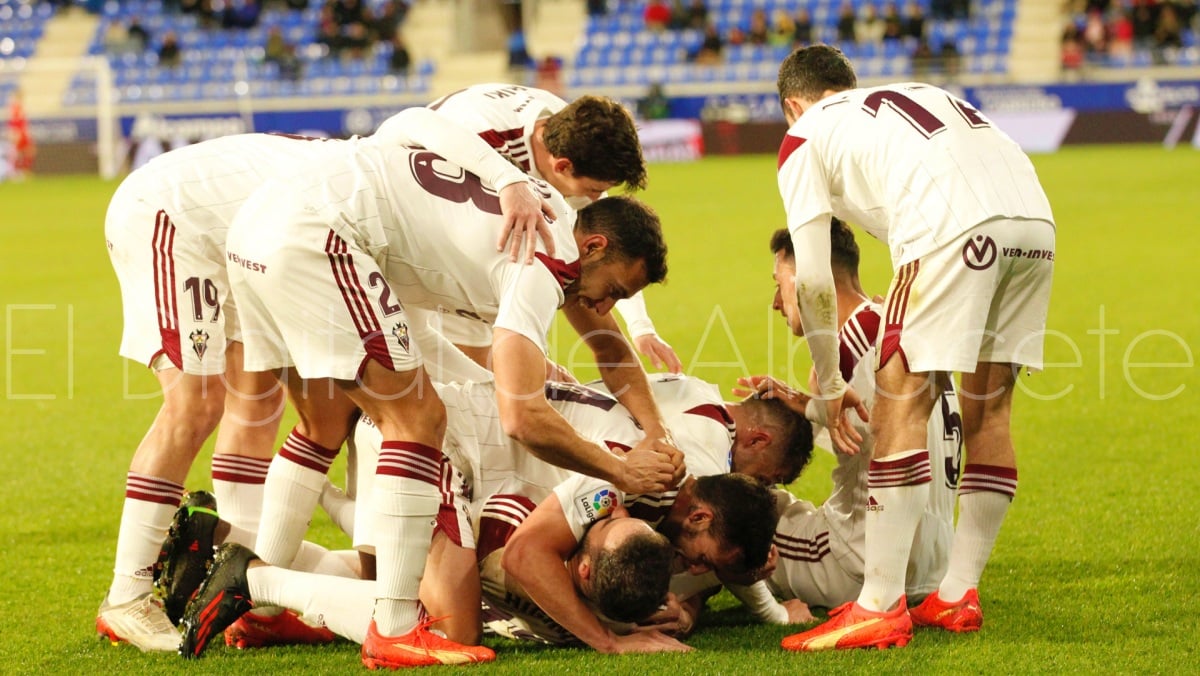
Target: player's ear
{"x": 700, "y": 518}
{"x": 563, "y": 166}
{"x": 594, "y": 243}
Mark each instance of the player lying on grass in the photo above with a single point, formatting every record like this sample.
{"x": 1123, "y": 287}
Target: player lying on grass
{"x": 821, "y": 549}
{"x": 324, "y": 264}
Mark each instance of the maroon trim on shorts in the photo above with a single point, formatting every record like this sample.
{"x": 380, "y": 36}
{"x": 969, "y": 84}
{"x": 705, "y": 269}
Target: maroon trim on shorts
{"x": 165, "y": 298}
{"x": 894, "y": 313}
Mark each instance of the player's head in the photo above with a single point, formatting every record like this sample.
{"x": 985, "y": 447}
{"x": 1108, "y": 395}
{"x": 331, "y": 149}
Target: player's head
{"x": 729, "y": 525}
{"x": 808, "y": 74}
{"x": 621, "y": 250}
{"x": 774, "y": 444}
{"x": 843, "y": 260}
{"x": 625, "y": 567}
{"x": 597, "y": 140}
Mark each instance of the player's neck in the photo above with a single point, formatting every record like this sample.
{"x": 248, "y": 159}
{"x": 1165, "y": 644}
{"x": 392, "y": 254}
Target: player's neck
{"x": 848, "y": 300}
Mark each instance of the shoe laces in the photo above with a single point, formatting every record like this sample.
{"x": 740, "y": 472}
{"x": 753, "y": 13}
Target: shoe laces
{"x": 151, "y": 616}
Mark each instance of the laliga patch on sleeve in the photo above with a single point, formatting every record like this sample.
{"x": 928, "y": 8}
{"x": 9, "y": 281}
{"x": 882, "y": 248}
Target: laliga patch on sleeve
{"x": 596, "y": 505}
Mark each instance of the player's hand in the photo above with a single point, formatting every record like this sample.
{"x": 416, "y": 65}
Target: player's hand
{"x": 558, "y": 373}
{"x": 672, "y": 619}
{"x": 798, "y": 612}
{"x": 650, "y": 467}
{"x": 845, "y": 438}
{"x": 661, "y": 354}
{"x": 766, "y": 387}
{"x": 648, "y": 642}
{"x": 526, "y": 217}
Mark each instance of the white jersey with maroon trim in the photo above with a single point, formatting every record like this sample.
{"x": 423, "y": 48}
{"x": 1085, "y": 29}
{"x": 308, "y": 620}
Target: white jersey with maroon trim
{"x": 912, "y": 164}
{"x": 821, "y": 548}
{"x": 201, "y": 186}
{"x": 503, "y": 115}
{"x": 431, "y": 227}
{"x": 699, "y": 422}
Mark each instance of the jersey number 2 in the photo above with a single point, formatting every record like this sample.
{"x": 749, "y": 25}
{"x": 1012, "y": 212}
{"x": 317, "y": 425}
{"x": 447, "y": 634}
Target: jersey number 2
{"x": 917, "y": 115}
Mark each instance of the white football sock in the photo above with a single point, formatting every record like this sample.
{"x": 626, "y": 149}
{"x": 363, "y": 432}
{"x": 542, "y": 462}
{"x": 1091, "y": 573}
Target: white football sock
{"x": 984, "y": 495}
{"x": 238, "y": 486}
{"x": 150, "y": 502}
{"x": 898, "y": 488}
{"x": 290, "y": 495}
{"x": 339, "y": 603}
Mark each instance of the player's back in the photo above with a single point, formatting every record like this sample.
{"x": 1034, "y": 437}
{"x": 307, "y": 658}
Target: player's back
{"x": 201, "y": 186}
{"x": 916, "y": 166}
{"x": 430, "y": 225}
{"x": 502, "y": 114}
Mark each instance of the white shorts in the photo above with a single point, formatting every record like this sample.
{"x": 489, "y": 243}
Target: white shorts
{"x": 454, "y": 515}
{"x": 982, "y": 298}
{"x": 309, "y": 298}
{"x": 174, "y": 288}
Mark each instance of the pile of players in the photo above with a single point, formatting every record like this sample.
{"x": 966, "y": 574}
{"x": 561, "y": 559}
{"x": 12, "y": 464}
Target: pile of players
{"x": 399, "y": 290}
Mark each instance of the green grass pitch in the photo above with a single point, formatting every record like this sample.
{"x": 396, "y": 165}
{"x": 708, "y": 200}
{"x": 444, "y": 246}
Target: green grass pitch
{"x": 1095, "y": 569}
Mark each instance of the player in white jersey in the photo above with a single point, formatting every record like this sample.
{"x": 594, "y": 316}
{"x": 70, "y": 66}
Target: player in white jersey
{"x": 972, "y": 242}
{"x": 583, "y": 149}
{"x": 165, "y": 231}
{"x": 323, "y": 264}
{"x": 166, "y": 228}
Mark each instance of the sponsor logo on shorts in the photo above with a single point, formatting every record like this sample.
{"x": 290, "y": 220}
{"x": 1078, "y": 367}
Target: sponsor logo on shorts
{"x": 400, "y": 331}
{"x": 199, "y": 340}
{"x": 246, "y": 263}
{"x": 873, "y": 505}
{"x": 980, "y": 252}
{"x": 1032, "y": 254}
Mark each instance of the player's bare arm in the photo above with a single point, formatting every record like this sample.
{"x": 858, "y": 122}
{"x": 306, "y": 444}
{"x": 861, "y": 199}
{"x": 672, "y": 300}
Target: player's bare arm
{"x": 624, "y": 376}
{"x": 534, "y": 559}
{"x": 530, "y": 420}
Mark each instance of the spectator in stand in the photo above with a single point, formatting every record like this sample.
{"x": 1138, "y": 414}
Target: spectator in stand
{"x": 241, "y": 14}
{"x": 697, "y": 14}
{"x": 657, "y": 15}
{"x": 1095, "y": 34}
{"x": 709, "y": 52}
{"x": 276, "y": 47}
{"x": 291, "y": 68}
{"x": 759, "y": 31}
{"x": 400, "y": 62}
{"x": 942, "y": 10}
{"x": 329, "y": 35}
{"x": 356, "y": 41}
{"x": 1121, "y": 35}
{"x": 914, "y": 21}
{"x": 654, "y": 105}
{"x": 389, "y": 18}
{"x": 869, "y": 27}
{"x": 783, "y": 29}
{"x": 1144, "y": 23}
{"x": 1072, "y": 51}
{"x": 802, "y": 36}
{"x": 922, "y": 60}
{"x": 736, "y": 37}
{"x": 168, "y": 52}
{"x": 597, "y": 7}
{"x": 347, "y": 12}
{"x": 893, "y": 25}
{"x": 548, "y": 75}
{"x": 1168, "y": 34}
{"x": 139, "y": 37}
{"x": 845, "y": 25}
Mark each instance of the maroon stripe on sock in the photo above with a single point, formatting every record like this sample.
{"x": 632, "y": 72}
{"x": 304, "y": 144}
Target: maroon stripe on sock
{"x": 152, "y": 489}
{"x": 989, "y": 478}
{"x": 410, "y": 460}
{"x": 239, "y": 469}
{"x": 306, "y": 453}
{"x": 912, "y": 470}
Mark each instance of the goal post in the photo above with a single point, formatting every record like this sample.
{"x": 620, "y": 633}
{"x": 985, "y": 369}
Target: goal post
{"x": 71, "y": 106}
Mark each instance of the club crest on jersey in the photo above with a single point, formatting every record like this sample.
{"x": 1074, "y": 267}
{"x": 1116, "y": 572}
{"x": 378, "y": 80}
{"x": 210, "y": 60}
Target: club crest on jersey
{"x": 199, "y": 339}
{"x": 597, "y": 505}
{"x": 400, "y": 331}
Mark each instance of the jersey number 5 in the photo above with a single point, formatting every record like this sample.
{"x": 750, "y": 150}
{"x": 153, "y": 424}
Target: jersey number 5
{"x": 917, "y": 115}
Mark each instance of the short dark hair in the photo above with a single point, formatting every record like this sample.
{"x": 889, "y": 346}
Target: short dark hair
{"x": 600, "y": 138}
{"x": 744, "y": 515}
{"x": 792, "y": 433}
{"x": 843, "y": 246}
{"x": 808, "y": 71}
{"x": 633, "y": 231}
{"x": 630, "y": 582}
